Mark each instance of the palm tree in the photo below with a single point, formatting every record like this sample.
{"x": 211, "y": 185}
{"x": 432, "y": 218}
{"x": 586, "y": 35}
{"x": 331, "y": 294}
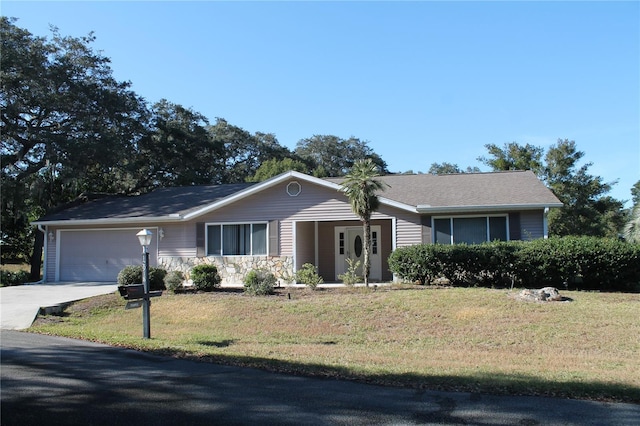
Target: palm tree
{"x": 632, "y": 228}
{"x": 360, "y": 187}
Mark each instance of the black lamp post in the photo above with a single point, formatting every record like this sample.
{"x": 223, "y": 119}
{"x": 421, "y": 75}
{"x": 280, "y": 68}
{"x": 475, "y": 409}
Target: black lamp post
{"x": 145, "y": 239}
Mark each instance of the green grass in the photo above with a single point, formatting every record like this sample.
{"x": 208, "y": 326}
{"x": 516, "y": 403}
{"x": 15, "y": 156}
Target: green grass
{"x": 476, "y": 340}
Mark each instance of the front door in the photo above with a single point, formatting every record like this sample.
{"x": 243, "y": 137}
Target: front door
{"x": 355, "y": 249}
{"x": 350, "y": 245}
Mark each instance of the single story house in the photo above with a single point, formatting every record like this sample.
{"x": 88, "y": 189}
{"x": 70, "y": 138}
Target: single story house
{"x": 287, "y": 221}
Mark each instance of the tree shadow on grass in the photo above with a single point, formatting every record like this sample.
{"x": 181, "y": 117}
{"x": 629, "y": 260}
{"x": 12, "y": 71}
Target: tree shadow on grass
{"x": 481, "y": 382}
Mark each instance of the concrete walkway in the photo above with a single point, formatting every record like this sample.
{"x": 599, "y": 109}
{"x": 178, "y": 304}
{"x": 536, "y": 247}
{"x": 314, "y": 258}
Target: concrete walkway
{"x": 21, "y": 304}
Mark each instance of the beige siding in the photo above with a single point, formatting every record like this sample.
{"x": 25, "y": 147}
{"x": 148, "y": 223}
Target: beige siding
{"x": 179, "y": 240}
{"x": 531, "y": 225}
{"x": 50, "y": 256}
{"x": 408, "y": 226}
{"x": 314, "y": 203}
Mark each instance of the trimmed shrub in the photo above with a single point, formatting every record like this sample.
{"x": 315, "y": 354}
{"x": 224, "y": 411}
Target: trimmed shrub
{"x": 259, "y": 282}
{"x": 132, "y": 274}
{"x": 587, "y": 263}
{"x": 205, "y": 277}
{"x": 173, "y": 280}
{"x": 490, "y": 264}
{"x": 8, "y": 278}
{"x": 582, "y": 263}
{"x": 418, "y": 264}
{"x": 308, "y": 276}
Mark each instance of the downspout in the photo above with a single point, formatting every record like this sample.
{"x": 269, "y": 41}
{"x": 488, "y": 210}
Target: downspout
{"x": 44, "y": 258}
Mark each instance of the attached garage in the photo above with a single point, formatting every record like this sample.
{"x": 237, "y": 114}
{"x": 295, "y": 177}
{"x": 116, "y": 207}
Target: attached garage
{"x": 99, "y": 255}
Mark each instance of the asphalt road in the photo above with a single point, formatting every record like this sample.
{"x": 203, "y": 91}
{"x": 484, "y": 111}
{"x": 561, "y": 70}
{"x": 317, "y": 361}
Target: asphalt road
{"x": 57, "y": 381}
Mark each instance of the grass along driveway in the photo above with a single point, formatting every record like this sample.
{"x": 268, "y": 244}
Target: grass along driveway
{"x": 476, "y": 340}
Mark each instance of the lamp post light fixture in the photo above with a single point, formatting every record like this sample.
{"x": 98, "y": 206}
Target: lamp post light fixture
{"x": 145, "y": 240}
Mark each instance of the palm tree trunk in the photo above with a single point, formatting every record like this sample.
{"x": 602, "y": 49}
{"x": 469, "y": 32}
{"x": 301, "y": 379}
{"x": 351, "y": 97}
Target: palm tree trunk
{"x": 366, "y": 225}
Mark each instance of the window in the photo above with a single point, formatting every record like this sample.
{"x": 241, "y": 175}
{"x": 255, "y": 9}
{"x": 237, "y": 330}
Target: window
{"x": 470, "y": 230}
{"x": 374, "y": 242}
{"x": 247, "y": 239}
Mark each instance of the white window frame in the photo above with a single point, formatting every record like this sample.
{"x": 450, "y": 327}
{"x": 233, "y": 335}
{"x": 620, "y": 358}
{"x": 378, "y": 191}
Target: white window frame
{"x": 222, "y": 225}
{"x": 486, "y": 216}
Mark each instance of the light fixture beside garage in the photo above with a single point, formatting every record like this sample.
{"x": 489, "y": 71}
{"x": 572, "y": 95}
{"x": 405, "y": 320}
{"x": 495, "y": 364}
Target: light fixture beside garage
{"x": 144, "y": 237}
{"x": 51, "y": 236}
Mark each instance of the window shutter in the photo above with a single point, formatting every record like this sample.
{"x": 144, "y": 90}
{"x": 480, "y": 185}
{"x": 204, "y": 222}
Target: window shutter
{"x": 514, "y": 226}
{"x": 274, "y": 249}
{"x": 200, "y": 240}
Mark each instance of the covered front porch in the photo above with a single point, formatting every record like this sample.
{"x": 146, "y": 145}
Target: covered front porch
{"x": 328, "y": 244}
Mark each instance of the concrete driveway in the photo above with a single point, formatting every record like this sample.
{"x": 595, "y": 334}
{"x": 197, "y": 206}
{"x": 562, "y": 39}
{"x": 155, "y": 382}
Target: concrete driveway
{"x": 21, "y": 304}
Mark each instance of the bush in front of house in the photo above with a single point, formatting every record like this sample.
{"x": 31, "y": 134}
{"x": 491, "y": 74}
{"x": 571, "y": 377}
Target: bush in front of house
{"x": 417, "y": 264}
{"x": 484, "y": 265}
{"x": 173, "y": 281}
{"x": 9, "y": 278}
{"x": 585, "y": 263}
{"x": 205, "y": 277}
{"x": 132, "y": 274}
{"x": 582, "y": 263}
{"x": 351, "y": 277}
{"x": 308, "y": 275}
{"x": 259, "y": 282}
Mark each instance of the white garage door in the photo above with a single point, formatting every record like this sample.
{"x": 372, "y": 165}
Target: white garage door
{"x": 99, "y": 255}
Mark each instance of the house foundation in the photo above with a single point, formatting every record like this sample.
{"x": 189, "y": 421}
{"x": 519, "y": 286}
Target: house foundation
{"x": 233, "y": 269}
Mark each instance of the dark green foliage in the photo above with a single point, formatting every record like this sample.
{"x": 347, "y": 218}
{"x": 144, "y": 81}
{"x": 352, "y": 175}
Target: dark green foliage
{"x": 585, "y": 263}
{"x": 173, "y": 280}
{"x": 9, "y": 278}
{"x": 205, "y": 277}
{"x": 488, "y": 264}
{"x": 132, "y": 274}
{"x": 259, "y": 283}
{"x": 334, "y": 156}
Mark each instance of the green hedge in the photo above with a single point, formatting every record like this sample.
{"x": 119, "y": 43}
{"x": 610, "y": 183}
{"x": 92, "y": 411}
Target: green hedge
{"x": 132, "y": 274}
{"x": 586, "y": 263}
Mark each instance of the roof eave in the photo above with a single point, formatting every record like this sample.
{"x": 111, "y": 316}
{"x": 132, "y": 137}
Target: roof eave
{"x": 424, "y": 208}
{"x": 110, "y": 221}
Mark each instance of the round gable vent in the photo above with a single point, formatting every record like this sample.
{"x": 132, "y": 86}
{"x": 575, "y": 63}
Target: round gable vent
{"x": 294, "y": 189}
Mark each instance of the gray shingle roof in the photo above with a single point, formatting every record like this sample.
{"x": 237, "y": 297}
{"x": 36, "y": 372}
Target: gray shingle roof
{"x": 516, "y": 188}
{"x": 161, "y": 202}
{"x": 468, "y": 189}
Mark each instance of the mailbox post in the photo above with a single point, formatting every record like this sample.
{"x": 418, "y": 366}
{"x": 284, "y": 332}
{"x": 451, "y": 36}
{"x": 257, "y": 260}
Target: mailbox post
{"x": 145, "y": 239}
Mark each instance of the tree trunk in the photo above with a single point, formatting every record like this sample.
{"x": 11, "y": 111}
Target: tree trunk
{"x": 366, "y": 225}
{"x": 36, "y": 256}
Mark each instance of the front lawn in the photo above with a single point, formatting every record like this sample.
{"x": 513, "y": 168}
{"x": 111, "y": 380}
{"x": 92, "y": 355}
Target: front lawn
{"x": 469, "y": 339}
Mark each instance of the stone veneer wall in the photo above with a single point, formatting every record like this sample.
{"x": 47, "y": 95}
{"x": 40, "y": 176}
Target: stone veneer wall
{"x": 232, "y": 269}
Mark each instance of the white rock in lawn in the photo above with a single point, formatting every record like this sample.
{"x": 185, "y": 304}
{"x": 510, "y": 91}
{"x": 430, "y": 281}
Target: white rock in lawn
{"x": 546, "y": 294}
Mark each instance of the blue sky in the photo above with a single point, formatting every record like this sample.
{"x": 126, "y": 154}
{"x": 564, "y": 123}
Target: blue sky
{"x": 422, "y": 82}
